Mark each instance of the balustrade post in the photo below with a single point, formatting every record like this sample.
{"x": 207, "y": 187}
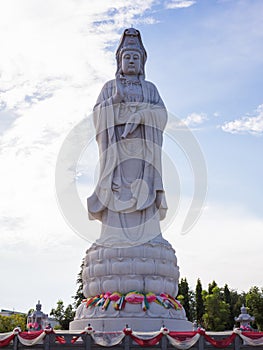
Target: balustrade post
{"x": 201, "y": 343}
{"x": 164, "y": 343}
{"x": 127, "y": 342}
{"x": 237, "y": 343}
{"x": 15, "y": 342}
{"x": 88, "y": 342}
{"x": 46, "y": 342}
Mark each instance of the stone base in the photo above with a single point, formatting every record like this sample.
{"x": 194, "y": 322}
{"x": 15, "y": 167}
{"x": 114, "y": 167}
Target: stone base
{"x": 132, "y": 315}
{"x": 149, "y": 267}
{"x": 136, "y": 324}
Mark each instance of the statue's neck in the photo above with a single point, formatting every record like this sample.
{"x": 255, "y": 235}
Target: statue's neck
{"x": 131, "y": 77}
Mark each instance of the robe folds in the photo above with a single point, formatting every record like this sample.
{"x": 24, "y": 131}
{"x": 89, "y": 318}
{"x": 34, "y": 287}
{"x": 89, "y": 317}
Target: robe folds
{"x": 129, "y": 197}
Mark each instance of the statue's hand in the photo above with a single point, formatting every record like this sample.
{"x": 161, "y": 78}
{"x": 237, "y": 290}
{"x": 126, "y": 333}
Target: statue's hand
{"x": 158, "y": 199}
{"x": 131, "y": 125}
{"x": 119, "y": 94}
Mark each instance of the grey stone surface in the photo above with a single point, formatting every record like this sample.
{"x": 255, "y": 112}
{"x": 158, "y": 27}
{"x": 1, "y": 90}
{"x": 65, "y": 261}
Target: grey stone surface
{"x": 244, "y": 318}
{"x": 137, "y": 324}
{"x": 143, "y": 268}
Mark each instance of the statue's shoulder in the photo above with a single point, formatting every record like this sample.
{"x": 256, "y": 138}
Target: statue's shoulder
{"x": 152, "y": 89}
{"x": 109, "y": 85}
{"x": 150, "y": 85}
{"x": 107, "y": 91}
{"x": 153, "y": 93}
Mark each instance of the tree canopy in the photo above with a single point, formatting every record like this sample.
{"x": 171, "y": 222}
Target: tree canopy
{"x": 215, "y": 309}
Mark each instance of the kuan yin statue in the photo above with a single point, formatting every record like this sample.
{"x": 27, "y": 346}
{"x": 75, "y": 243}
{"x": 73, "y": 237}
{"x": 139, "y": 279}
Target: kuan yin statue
{"x": 130, "y": 274}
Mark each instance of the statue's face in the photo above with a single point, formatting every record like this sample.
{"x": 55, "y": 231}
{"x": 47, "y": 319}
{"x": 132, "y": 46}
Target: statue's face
{"x": 130, "y": 62}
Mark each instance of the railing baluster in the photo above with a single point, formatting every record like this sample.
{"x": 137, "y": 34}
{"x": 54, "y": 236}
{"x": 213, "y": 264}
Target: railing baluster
{"x": 87, "y": 342}
{"x": 47, "y": 342}
{"x": 15, "y": 342}
{"x": 164, "y": 343}
{"x": 237, "y": 343}
{"x": 201, "y": 343}
{"x": 127, "y": 342}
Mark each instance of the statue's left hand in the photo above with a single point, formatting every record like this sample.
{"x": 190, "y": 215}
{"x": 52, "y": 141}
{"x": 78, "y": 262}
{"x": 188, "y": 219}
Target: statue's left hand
{"x": 131, "y": 125}
{"x": 158, "y": 199}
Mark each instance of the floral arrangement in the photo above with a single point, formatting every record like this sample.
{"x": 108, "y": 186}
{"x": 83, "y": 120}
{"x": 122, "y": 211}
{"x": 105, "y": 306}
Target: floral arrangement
{"x": 133, "y": 297}
{"x": 246, "y": 327}
{"x": 34, "y": 325}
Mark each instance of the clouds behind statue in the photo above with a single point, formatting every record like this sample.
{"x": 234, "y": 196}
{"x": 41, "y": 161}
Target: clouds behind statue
{"x": 129, "y": 118}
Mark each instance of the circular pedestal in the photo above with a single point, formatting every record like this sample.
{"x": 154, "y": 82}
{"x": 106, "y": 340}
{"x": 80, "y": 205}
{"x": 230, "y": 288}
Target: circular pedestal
{"x": 147, "y": 268}
{"x": 150, "y": 267}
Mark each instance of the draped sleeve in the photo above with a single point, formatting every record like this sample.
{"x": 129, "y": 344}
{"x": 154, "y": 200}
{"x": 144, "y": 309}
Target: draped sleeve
{"x": 151, "y": 115}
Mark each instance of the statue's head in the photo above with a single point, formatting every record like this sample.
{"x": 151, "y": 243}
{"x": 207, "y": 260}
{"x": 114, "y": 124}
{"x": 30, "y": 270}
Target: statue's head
{"x": 131, "y": 41}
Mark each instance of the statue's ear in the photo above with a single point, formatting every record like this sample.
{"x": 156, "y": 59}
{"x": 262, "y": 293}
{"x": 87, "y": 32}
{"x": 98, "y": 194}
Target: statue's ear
{"x": 141, "y": 69}
{"x": 118, "y": 73}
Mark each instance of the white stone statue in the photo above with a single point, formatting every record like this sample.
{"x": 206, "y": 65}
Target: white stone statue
{"x": 129, "y": 117}
{"x": 130, "y": 275}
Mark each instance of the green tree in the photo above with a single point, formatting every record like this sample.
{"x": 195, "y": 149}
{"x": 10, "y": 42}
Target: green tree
{"x": 5, "y": 324}
{"x": 62, "y": 315}
{"x": 199, "y": 303}
{"x": 217, "y": 311}
{"x": 211, "y": 286}
{"x": 235, "y": 301}
{"x": 30, "y": 311}
{"x": 227, "y": 299}
{"x": 186, "y": 297}
{"x": 79, "y": 296}
{"x": 227, "y": 294}
{"x": 192, "y": 305}
{"x": 254, "y": 301}
{"x": 8, "y": 323}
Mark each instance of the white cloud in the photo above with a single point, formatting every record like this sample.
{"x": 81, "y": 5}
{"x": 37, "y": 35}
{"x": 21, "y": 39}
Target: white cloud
{"x": 247, "y": 124}
{"x": 62, "y": 43}
{"x": 56, "y": 59}
{"x": 194, "y": 119}
{"x": 178, "y": 4}
{"x": 54, "y": 65}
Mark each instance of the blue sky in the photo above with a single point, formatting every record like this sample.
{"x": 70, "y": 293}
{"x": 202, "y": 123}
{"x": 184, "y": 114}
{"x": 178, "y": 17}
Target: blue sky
{"x": 204, "y": 56}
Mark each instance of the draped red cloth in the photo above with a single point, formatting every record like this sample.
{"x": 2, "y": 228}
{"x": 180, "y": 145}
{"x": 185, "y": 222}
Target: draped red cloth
{"x": 179, "y": 336}
{"x": 35, "y": 334}
{"x": 6, "y": 341}
{"x": 223, "y": 343}
{"x": 147, "y": 342}
{"x": 143, "y": 342}
{"x": 183, "y": 335}
{"x": 60, "y": 339}
{"x": 30, "y": 335}
{"x": 253, "y": 335}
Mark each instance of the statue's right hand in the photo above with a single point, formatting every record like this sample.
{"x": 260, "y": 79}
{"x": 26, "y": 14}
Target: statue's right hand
{"x": 119, "y": 94}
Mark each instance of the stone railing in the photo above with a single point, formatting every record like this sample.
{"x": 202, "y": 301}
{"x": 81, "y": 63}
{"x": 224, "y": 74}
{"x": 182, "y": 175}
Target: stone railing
{"x": 87, "y": 341}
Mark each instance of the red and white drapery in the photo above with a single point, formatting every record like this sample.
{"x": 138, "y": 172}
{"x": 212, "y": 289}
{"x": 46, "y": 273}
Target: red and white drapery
{"x": 251, "y": 338}
{"x": 180, "y": 340}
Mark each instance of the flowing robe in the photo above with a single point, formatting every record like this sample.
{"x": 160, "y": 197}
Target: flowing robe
{"x": 129, "y": 198}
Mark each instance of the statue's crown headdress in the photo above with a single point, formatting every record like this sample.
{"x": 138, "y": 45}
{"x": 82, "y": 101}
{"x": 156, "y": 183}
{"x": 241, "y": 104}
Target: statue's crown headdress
{"x": 131, "y": 40}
